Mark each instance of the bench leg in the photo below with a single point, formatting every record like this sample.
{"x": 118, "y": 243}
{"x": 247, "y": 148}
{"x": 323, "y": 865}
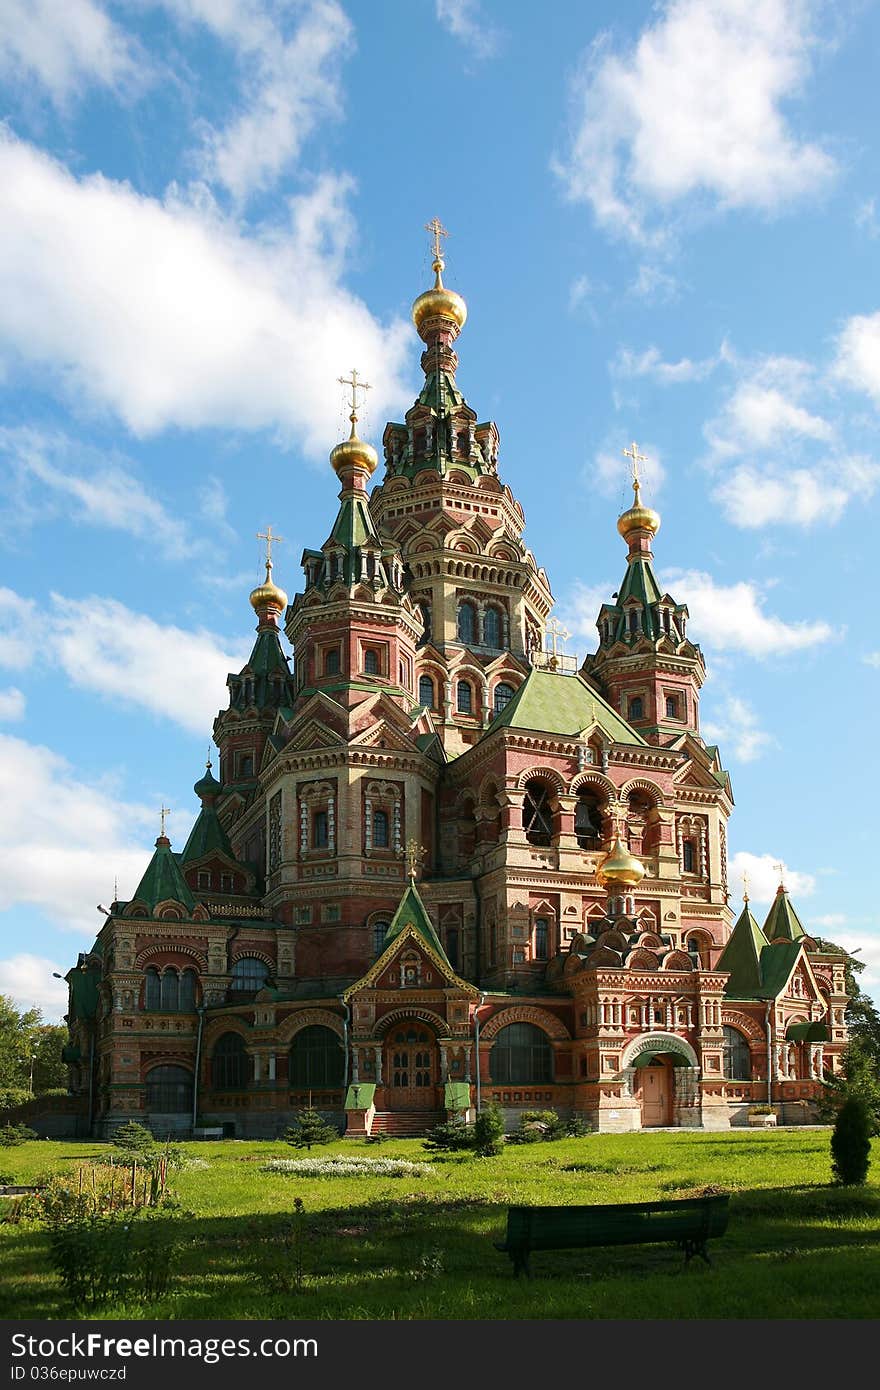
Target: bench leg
{"x": 521, "y": 1262}
{"x": 695, "y": 1247}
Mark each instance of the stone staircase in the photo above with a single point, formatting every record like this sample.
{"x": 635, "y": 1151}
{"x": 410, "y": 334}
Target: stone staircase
{"x": 406, "y": 1124}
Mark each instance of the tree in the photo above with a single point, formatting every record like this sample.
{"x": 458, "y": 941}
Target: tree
{"x": 50, "y": 1071}
{"x": 851, "y": 1142}
{"x": 861, "y": 1060}
{"x": 310, "y": 1128}
{"x": 18, "y": 1031}
{"x": 489, "y": 1131}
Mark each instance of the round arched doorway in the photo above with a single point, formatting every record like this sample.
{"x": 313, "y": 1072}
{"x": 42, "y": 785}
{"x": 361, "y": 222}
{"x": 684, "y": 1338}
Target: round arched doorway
{"x": 412, "y": 1066}
{"x": 654, "y": 1086}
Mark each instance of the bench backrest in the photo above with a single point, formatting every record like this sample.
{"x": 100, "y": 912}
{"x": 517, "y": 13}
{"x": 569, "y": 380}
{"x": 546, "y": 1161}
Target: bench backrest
{"x": 555, "y": 1228}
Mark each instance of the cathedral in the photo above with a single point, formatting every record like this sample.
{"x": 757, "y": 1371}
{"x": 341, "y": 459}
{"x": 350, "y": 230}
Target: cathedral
{"x": 441, "y": 866}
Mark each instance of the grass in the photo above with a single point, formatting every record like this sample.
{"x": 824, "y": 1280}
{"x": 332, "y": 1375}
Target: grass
{"x": 422, "y": 1247}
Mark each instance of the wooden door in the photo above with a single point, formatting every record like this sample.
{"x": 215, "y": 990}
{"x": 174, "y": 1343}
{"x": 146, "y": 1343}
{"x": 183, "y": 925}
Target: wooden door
{"x": 655, "y": 1088}
{"x": 411, "y": 1054}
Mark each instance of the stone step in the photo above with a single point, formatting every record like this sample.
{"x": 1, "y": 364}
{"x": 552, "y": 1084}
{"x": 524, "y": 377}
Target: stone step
{"x": 406, "y": 1123}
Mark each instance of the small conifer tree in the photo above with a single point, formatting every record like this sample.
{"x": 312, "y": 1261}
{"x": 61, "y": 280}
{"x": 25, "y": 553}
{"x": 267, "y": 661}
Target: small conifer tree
{"x": 134, "y": 1140}
{"x": 489, "y": 1131}
{"x": 310, "y": 1128}
{"x": 851, "y": 1141}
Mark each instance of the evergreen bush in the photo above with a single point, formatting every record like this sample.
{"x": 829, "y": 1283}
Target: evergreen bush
{"x": 489, "y": 1131}
{"x": 133, "y": 1139}
{"x": 451, "y": 1137}
{"x": 13, "y": 1135}
{"x": 310, "y": 1128}
{"x": 851, "y": 1141}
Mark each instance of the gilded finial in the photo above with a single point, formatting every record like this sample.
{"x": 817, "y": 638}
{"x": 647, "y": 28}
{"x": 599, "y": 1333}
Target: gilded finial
{"x": 437, "y": 230}
{"x": 414, "y": 856}
{"x": 745, "y": 889}
{"x": 267, "y": 595}
{"x": 438, "y": 303}
{"x": 163, "y": 812}
{"x": 356, "y": 386}
{"x": 780, "y": 869}
{"x": 637, "y": 517}
{"x": 636, "y": 458}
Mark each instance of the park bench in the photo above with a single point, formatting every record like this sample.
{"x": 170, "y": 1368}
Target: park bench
{"x": 688, "y": 1222}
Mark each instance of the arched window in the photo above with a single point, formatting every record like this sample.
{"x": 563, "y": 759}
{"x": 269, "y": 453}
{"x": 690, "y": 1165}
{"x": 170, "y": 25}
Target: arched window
{"x": 522, "y": 1055}
{"x": 465, "y": 699}
{"x": 737, "y": 1057}
{"x": 186, "y": 1000}
{"x": 688, "y": 857}
{"x": 152, "y": 989}
{"x": 537, "y": 815}
{"x": 169, "y": 1091}
{"x": 169, "y": 991}
{"x": 542, "y": 935}
{"x": 249, "y": 974}
{"x": 380, "y": 829}
{"x": 230, "y": 1064}
{"x": 492, "y": 628}
{"x": 426, "y": 692}
{"x": 320, "y": 830}
{"x": 587, "y": 820}
{"x": 316, "y": 1058}
{"x": 379, "y": 931}
{"x": 503, "y": 695}
{"x": 466, "y": 623}
{"x": 637, "y": 708}
{"x": 371, "y": 662}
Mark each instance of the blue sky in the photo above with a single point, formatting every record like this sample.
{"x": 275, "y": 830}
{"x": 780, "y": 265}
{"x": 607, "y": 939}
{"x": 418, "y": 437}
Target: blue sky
{"x": 665, "y": 219}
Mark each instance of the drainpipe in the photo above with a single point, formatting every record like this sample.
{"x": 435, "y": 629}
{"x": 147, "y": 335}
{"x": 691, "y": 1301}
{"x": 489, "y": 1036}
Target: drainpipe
{"x": 771, "y": 1059}
{"x": 346, "y": 1015}
{"x": 477, "y": 1046}
{"x": 198, "y": 1066}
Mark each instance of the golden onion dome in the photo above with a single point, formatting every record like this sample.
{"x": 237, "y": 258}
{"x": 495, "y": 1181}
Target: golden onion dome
{"x": 638, "y": 518}
{"x": 620, "y": 867}
{"x": 267, "y": 594}
{"x": 354, "y": 453}
{"x": 439, "y": 302}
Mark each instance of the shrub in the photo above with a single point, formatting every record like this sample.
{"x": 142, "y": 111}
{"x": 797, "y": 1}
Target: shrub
{"x": 451, "y": 1137}
{"x": 133, "y": 1139}
{"x": 343, "y": 1166}
{"x": 13, "y": 1135}
{"x": 851, "y": 1142}
{"x": 310, "y": 1128}
{"x": 12, "y": 1096}
{"x": 489, "y": 1131}
{"x": 115, "y": 1254}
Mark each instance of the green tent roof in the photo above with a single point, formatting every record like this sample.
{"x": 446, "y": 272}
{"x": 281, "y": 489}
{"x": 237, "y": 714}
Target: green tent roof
{"x": 566, "y": 705}
{"x": 163, "y": 880}
{"x": 742, "y": 957}
{"x": 782, "y": 920}
{"x": 412, "y": 911}
{"x": 206, "y": 837}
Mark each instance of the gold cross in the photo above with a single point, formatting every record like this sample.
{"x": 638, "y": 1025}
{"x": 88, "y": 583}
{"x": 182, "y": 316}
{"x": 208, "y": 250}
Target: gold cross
{"x": 745, "y": 886}
{"x": 163, "y": 812}
{"x": 780, "y": 869}
{"x": 270, "y": 541}
{"x": 437, "y": 230}
{"x": 557, "y": 633}
{"x": 356, "y": 386}
{"x": 414, "y": 853}
{"x": 637, "y": 458}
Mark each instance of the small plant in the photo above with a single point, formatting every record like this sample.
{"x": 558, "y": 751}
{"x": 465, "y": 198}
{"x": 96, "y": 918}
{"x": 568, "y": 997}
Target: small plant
{"x": 451, "y": 1137}
{"x": 133, "y": 1139}
{"x": 115, "y": 1254}
{"x": 761, "y": 1110}
{"x": 489, "y": 1131}
{"x": 13, "y": 1135}
{"x": 310, "y": 1128}
{"x": 345, "y": 1166}
{"x": 429, "y": 1265}
{"x": 851, "y": 1142}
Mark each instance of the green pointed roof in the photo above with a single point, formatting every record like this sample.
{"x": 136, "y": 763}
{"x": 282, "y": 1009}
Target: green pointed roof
{"x": 782, "y": 920}
{"x": 206, "y": 837}
{"x": 163, "y": 879}
{"x": 412, "y": 912}
{"x": 777, "y": 962}
{"x": 565, "y": 705}
{"x": 742, "y": 957}
{"x": 354, "y": 525}
{"x": 267, "y": 667}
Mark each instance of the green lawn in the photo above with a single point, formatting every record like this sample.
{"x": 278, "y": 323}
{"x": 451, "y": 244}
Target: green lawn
{"x": 796, "y": 1246}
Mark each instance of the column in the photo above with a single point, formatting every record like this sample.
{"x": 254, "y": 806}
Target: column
{"x": 258, "y": 1067}
{"x": 271, "y": 1066}
{"x": 379, "y": 1079}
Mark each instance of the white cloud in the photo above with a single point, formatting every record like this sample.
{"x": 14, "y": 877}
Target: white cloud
{"x": 12, "y": 704}
{"x": 290, "y": 58}
{"x": 128, "y": 657}
{"x": 736, "y": 728}
{"x": 62, "y": 840}
{"x": 872, "y": 659}
{"x": 732, "y": 617}
{"x": 858, "y": 354}
{"x": 66, "y": 47}
{"x": 29, "y": 981}
{"x": 653, "y": 285}
{"x": 695, "y": 108}
{"x": 610, "y": 472}
{"x": 19, "y": 619}
{"x": 650, "y": 363}
{"x": 170, "y": 314}
{"x": 760, "y": 416}
{"x": 866, "y": 218}
{"x": 866, "y": 946}
{"x": 580, "y": 291}
{"x": 829, "y": 919}
{"x": 798, "y": 496}
{"x": 463, "y": 20}
{"x": 763, "y": 876}
{"x": 107, "y": 495}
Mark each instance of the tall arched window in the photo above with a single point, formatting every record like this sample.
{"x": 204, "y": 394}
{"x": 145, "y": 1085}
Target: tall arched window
{"x": 503, "y": 696}
{"x": 522, "y": 1055}
{"x": 465, "y": 699}
{"x": 379, "y": 931}
{"x": 537, "y": 815}
{"x": 169, "y": 1091}
{"x": 466, "y": 623}
{"x": 542, "y": 936}
{"x": 688, "y": 857}
{"x": 152, "y": 989}
{"x": 492, "y": 628}
{"x": 426, "y": 692}
{"x": 186, "y": 1000}
{"x": 316, "y": 1058}
{"x": 637, "y": 708}
{"x": 230, "y": 1064}
{"x": 737, "y": 1056}
{"x": 587, "y": 820}
{"x": 249, "y": 974}
{"x": 380, "y": 829}
{"x": 169, "y": 991}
